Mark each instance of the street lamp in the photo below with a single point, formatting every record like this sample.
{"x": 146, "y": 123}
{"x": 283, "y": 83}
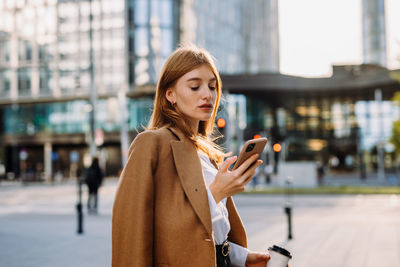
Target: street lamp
{"x": 277, "y": 149}
{"x": 380, "y": 145}
{"x": 93, "y": 91}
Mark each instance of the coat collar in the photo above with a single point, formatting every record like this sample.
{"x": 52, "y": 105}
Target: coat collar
{"x": 181, "y": 137}
{"x": 190, "y": 173}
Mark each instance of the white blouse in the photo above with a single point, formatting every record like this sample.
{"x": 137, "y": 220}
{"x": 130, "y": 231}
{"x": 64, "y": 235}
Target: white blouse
{"x": 219, "y": 215}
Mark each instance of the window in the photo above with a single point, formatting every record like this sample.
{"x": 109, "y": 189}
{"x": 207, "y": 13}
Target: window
{"x": 24, "y": 50}
{"x": 24, "y": 81}
{"x": 5, "y": 83}
{"x": 139, "y": 112}
{"x": 166, "y": 42}
{"x": 44, "y": 81}
{"x": 4, "y": 51}
{"x": 141, "y": 41}
{"x": 141, "y": 14}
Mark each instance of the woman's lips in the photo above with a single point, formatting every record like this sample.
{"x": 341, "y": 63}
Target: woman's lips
{"x": 206, "y": 106}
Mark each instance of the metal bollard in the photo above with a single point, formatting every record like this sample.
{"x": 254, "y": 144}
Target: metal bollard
{"x": 288, "y": 211}
{"x": 79, "y": 207}
{"x": 288, "y": 206}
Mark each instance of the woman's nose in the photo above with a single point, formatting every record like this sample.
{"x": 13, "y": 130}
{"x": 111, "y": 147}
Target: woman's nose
{"x": 206, "y": 92}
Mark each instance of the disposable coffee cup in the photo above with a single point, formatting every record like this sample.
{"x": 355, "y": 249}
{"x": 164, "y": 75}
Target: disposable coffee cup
{"x": 279, "y": 257}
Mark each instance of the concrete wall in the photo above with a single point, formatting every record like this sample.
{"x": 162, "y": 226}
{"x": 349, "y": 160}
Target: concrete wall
{"x": 303, "y": 174}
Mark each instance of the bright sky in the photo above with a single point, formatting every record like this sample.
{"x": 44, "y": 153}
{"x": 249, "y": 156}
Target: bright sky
{"x": 314, "y": 34}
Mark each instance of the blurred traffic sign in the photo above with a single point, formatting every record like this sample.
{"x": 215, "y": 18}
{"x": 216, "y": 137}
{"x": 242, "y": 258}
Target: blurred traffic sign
{"x": 277, "y": 147}
{"x": 256, "y": 136}
{"x": 221, "y": 123}
{"x": 74, "y": 156}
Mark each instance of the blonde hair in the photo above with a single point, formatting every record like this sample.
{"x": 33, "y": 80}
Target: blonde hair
{"x": 181, "y": 61}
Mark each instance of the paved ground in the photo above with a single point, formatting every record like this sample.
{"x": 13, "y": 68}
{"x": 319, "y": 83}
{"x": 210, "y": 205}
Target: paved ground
{"x": 333, "y": 231}
{"x": 38, "y": 228}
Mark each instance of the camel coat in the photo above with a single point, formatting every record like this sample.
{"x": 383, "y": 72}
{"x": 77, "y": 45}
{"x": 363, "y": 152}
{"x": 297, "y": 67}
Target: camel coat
{"x": 161, "y": 215}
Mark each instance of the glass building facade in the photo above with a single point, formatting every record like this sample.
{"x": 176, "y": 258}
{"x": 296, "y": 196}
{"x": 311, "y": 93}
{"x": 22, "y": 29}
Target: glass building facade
{"x": 52, "y": 52}
{"x": 152, "y": 36}
{"x": 374, "y": 32}
{"x": 46, "y": 45}
{"x": 242, "y": 35}
{"x": 339, "y": 124}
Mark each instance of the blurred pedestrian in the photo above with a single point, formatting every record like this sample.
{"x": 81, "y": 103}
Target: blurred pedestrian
{"x": 320, "y": 173}
{"x": 268, "y": 170}
{"x": 93, "y": 179}
{"x": 173, "y": 205}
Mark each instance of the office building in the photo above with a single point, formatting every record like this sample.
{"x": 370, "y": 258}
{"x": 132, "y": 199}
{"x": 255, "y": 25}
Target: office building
{"x": 64, "y": 61}
{"x": 339, "y": 121}
{"x": 374, "y": 32}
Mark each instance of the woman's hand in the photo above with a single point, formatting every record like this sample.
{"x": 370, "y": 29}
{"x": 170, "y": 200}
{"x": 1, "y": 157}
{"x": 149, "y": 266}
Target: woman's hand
{"x": 228, "y": 183}
{"x": 257, "y": 259}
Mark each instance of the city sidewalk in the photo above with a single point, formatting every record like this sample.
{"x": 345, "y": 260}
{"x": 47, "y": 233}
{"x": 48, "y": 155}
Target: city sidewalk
{"x": 330, "y": 179}
{"x": 38, "y": 226}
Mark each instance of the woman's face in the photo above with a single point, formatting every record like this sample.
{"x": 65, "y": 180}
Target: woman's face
{"x": 194, "y": 95}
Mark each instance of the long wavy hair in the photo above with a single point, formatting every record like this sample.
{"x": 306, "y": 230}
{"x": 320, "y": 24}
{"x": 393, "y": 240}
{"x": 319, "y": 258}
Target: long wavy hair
{"x": 181, "y": 61}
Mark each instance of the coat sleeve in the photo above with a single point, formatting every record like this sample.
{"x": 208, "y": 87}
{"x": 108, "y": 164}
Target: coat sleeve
{"x": 133, "y": 210}
{"x": 237, "y": 234}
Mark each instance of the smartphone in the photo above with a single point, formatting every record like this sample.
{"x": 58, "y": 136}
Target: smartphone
{"x": 251, "y": 147}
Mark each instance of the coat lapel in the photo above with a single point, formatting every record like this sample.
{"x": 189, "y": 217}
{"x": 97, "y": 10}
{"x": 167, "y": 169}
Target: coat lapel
{"x": 190, "y": 173}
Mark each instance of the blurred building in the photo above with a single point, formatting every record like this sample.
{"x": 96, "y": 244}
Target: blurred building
{"x": 339, "y": 121}
{"x": 247, "y": 43}
{"x": 374, "y": 32}
{"x": 46, "y": 71}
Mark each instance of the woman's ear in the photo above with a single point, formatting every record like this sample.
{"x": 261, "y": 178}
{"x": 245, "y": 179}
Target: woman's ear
{"x": 170, "y": 95}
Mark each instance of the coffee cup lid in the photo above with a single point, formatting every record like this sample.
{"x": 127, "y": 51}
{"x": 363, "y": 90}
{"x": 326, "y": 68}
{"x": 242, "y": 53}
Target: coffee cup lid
{"x": 281, "y": 251}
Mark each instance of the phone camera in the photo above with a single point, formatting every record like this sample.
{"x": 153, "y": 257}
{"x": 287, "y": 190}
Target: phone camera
{"x": 250, "y": 147}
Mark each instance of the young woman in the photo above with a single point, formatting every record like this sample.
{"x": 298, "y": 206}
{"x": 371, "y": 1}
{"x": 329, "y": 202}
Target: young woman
{"x": 173, "y": 205}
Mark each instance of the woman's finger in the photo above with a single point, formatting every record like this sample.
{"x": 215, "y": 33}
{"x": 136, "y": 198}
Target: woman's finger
{"x": 249, "y": 174}
{"x": 228, "y": 154}
{"x": 242, "y": 168}
{"x": 228, "y": 162}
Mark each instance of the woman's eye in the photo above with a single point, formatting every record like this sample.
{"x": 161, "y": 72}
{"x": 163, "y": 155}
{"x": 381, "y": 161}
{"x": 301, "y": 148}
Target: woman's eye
{"x": 211, "y": 88}
{"x": 194, "y": 88}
